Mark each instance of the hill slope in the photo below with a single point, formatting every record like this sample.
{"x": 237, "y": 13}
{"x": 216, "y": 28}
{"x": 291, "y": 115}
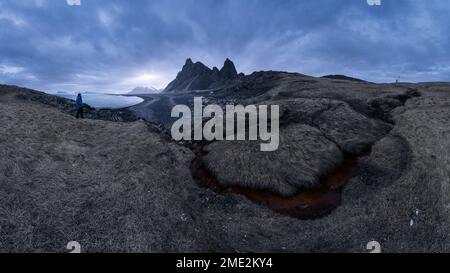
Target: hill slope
{"x": 122, "y": 187}
{"x": 92, "y": 181}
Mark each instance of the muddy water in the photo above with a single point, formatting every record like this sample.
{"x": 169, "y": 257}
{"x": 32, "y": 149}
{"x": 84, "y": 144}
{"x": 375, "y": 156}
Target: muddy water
{"x": 311, "y": 204}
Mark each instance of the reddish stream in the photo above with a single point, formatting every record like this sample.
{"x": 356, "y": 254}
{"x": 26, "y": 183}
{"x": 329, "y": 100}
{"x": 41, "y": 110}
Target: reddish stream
{"x": 312, "y": 204}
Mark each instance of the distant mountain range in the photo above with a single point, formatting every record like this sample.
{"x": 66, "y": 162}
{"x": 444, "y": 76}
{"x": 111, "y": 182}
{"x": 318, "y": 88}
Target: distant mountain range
{"x": 141, "y": 90}
{"x": 343, "y": 77}
{"x": 197, "y": 76}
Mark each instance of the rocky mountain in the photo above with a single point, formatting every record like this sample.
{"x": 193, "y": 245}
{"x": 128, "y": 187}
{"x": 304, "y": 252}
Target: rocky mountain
{"x": 197, "y": 76}
{"x": 228, "y": 71}
{"x": 141, "y": 90}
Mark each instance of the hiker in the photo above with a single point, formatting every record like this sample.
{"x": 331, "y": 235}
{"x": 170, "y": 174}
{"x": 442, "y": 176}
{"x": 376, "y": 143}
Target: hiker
{"x": 79, "y": 105}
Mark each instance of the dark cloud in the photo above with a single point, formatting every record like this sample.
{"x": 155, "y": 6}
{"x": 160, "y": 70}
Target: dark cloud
{"x": 114, "y": 45}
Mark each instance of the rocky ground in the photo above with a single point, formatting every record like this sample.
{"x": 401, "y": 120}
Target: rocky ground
{"x": 125, "y": 187}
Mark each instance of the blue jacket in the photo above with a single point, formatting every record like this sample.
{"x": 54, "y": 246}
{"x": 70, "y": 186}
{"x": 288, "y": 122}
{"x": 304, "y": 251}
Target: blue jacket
{"x": 79, "y": 102}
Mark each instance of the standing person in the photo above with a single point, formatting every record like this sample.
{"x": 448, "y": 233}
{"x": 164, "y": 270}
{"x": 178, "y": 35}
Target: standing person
{"x": 79, "y": 105}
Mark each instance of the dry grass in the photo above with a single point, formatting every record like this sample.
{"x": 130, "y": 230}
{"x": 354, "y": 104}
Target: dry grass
{"x": 109, "y": 186}
{"x": 304, "y": 157}
{"x": 118, "y": 187}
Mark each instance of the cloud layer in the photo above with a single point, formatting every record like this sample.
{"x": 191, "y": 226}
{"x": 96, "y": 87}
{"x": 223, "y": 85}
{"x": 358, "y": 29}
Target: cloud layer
{"x": 116, "y": 45}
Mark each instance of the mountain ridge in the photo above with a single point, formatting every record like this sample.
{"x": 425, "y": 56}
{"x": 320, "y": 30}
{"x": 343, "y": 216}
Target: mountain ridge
{"x": 197, "y": 76}
{"x": 141, "y": 90}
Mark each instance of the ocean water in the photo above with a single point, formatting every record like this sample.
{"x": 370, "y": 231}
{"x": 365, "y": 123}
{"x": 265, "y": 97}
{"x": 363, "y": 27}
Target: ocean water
{"x": 99, "y": 100}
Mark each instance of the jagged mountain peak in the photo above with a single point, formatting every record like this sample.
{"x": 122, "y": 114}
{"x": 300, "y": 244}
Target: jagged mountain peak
{"x": 228, "y": 70}
{"x": 190, "y": 68}
{"x": 197, "y": 76}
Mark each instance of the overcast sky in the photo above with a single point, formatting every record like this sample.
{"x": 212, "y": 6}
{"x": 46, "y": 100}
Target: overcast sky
{"x": 116, "y": 45}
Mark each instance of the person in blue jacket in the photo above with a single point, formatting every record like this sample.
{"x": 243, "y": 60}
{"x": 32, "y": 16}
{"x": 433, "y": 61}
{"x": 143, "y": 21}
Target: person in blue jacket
{"x": 79, "y": 105}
